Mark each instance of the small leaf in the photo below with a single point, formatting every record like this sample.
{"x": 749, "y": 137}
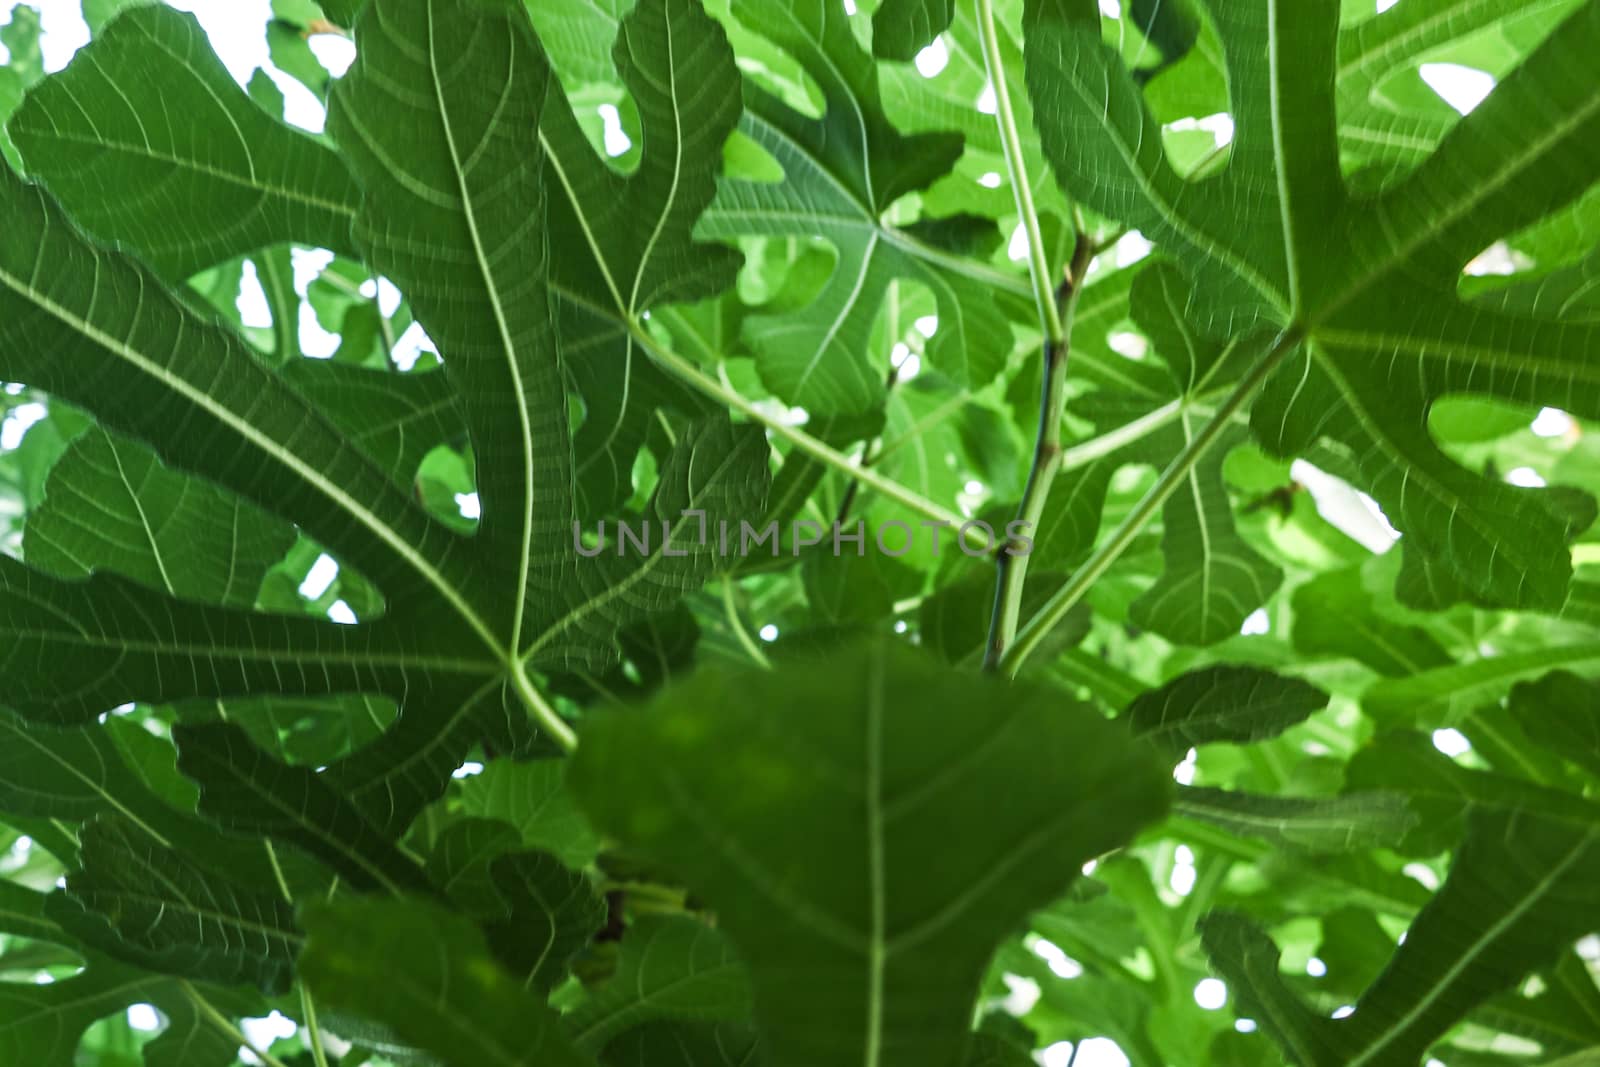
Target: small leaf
{"x": 247, "y": 792}
{"x": 1562, "y": 712}
{"x": 1446, "y": 694}
{"x": 1319, "y": 824}
{"x": 533, "y": 797}
{"x": 670, "y": 967}
{"x": 201, "y": 173}
{"x": 552, "y": 914}
{"x": 1335, "y": 615}
{"x": 1248, "y": 959}
{"x": 111, "y": 504}
{"x": 1222, "y": 703}
{"x": 171, "y": 916}
{"x": 841, "y": 173}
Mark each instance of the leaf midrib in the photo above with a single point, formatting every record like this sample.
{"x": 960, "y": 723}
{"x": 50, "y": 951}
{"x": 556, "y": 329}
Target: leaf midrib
{"x": 1478, "y": 945}
{"x": 461, "y": 169}
{"x": 267, "y": 445}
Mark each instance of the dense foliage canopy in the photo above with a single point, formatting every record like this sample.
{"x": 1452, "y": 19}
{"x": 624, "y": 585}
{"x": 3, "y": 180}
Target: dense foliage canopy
{"x": 682, "y": 533}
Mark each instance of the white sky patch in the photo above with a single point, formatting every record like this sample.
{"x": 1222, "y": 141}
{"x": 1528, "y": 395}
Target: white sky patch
{"x": 616, "y": 142}
{"x": 467, "y": 770}
{"x": 1183, "y": 773}
{"x": 769, "y": 632}
{"x": 849, "y": 7}
{"x": 986, "y": 101}
{"x": 333, "y": 51}
{"x": 1422, "y": 874}
{"x": 252, "y": 302}
{"x": 319, "y": 579}
{"x": 1129, "y": 344}
{"x": 1219, "y": 126}
{"x": 238, "y": 31}
{"x": 409, "y": 346}
{"x": 1552, "y": 422}
{"x": 933, "y": 59}
{"x": 1245, "y": 1026}
{"x": 1497, "y": 260}
{"x": 1094, "y": 1052}
{"x": 1526, "y": 477}
{"x": 308, "y": 264}
{"x": 1057, "y": 1055}
{"x": 1316, "y": 968}
{"x": 1061, "y": 965}
{"x": 315, "y": 342}
{"x": 907, "y": 363}
{"x": 470, "y": 505}
{"x": 263, "y": 1032}
{"x": 61, "y": 26}
{"x": 1111, "y": 9}
{"x": 1211, "y": 993}
{"x": 1463, "y": 88}
{"x": 1258, "y": 622}
{"x": 300, "y": 105}
{"x": 927, "y": 326}
{"x": 1344, "y": 1011}
{"x": 1384, "y": 5}
{"x": 990, "y": 180}
{"x": 1451, "y": 742}
{"x": 342, "y": 613}
{"x": 1346, "y": 509}
{"x": 387, "y": 295}
{"x": 144, "y": 1017}
{"x": 1017, "y": 249}
{"x": 1021, "y": 994}
{"x": 1182, "y": 879}
{"x": 1132, "y": 247}
{"x": 17, "y": 423}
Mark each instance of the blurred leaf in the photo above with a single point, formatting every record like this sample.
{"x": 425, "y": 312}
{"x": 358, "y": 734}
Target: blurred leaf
{"x": 429, "y": 975}
{"x": 841, "y": 955}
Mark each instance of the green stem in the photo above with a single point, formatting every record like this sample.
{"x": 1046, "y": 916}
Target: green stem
{"x": 277, "y": 871}
{"x": 1055, "y": 320}
{"x": 735, "y": 623}
{"x": 543, "y": 711}
{"x": 1011, "y": 567}
{"x": 1086, "y": 452}
{"x": 318, "y": 1054}
{"x": 698, "y": 380}
{"x": 1067, "y": 597}
{"x": 224, "y": 1026}
{"x": 284, "y": 304}
{"x": 1017, "y": 166}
